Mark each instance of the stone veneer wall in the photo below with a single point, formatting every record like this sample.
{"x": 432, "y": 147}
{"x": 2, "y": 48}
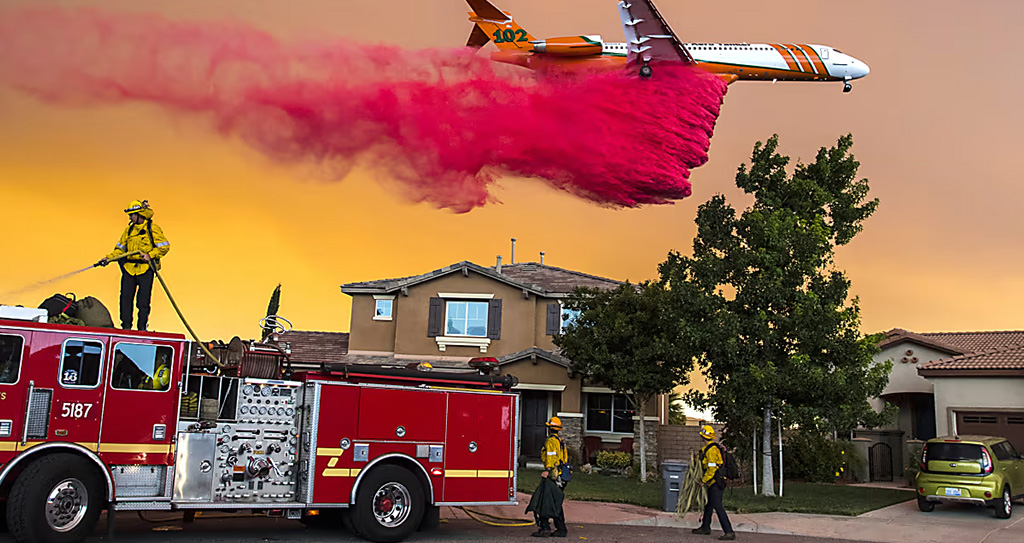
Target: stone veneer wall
{"x": 651, "y": 429}
{"x": 678, "y": 442}
{"x": 572, "y": 434}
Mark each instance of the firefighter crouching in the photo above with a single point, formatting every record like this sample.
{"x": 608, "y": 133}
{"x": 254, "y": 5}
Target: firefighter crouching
{"x": 546, "y": 502}
{"x": 713, "y": 461}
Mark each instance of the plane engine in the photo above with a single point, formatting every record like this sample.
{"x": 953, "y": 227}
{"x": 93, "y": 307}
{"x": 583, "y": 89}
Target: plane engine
{"x": 571, "y": 46}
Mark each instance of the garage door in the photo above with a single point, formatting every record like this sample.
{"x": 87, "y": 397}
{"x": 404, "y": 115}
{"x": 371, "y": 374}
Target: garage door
{"x": 1005, "y": 424}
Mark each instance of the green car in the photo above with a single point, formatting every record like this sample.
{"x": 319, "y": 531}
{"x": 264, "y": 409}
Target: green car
{"x": 979, "y": 470}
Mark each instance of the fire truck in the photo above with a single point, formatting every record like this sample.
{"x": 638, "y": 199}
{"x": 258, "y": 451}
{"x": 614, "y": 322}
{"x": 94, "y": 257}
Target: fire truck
{"x": 95, "y": 419}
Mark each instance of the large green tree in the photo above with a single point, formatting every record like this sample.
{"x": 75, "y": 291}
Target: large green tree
{"x": 769, "y": 315}
{"x": 625, "y": 339}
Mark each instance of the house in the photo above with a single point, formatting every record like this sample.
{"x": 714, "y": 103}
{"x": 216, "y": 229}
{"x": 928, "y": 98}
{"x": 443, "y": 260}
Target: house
{"x": 511, "y": 313}
{"x": 948, "y": 383}
{"x": 309, "y": 350}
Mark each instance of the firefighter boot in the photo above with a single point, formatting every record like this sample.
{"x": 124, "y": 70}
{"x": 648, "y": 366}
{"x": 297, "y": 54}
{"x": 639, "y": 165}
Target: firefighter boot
{"x": 728, "y": 537}
{"x": 701, "y": 531}
{"x": 541, "y": 532}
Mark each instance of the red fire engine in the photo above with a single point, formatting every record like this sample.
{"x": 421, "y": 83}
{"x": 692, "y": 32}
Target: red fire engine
{"x": 95, "y": 418}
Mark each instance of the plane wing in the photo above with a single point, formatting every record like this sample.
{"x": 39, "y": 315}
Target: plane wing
{"x": 648, "y": 35}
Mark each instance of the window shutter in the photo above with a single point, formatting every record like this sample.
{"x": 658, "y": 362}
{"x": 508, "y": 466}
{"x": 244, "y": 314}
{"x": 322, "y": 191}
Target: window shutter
{"x": 435, "y": 317}
{"x": 554, "y": 324}
{"x": 494, "y": 319}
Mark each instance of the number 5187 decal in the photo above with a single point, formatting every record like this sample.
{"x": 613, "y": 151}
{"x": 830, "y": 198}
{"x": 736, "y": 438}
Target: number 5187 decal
{"x": 75, "y": 410}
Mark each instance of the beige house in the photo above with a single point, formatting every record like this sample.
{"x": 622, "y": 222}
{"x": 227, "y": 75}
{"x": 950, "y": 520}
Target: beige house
{"x": 948, "y": 383}
{"x": 511, "y": 313}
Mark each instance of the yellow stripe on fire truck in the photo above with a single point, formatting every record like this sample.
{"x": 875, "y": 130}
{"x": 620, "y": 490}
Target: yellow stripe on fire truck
{"x": 477, "y": 473}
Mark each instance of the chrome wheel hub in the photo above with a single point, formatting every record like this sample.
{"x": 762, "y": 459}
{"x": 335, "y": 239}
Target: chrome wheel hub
{"x": 66, "y": 505}
{"x": 391, "y": 505}
{"x": 1007, "y": 502}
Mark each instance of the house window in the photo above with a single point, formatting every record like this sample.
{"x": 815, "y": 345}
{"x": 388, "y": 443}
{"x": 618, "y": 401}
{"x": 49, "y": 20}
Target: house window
{"x": 569, "y": 317}
{"x": 382, "y": 311}
{"x": 466, "y": 319}
{"x": 141, "y": 367}
{"x": 80, "y": 363}
{"x": 609, "y": 413}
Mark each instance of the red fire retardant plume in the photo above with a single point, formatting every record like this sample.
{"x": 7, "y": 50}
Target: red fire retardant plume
{"x": 444, "y": 123}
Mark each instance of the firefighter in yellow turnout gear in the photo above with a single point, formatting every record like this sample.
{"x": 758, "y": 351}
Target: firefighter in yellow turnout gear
{"x": 713, "y": 462}
{"x": 547, "y": 499}
{"x": 144, "y": 237}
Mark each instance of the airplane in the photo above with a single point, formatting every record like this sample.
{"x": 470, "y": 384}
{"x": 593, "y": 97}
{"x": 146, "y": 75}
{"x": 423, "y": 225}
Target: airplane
{"x": 650, "y": 41}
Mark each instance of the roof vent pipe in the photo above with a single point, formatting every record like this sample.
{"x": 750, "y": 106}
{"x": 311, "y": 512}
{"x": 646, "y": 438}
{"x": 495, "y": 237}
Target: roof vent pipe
{"x": 542, "y": 258}
{"x": 513, "y": 259}
{"x": 498, "y": 267}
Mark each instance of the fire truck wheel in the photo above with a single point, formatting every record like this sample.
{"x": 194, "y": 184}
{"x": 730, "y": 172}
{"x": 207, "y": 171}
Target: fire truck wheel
{"x": 389, "y": 505}
{"x": 57, "y": 499}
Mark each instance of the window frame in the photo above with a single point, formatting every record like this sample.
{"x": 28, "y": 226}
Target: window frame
{"x": 377, "y": 299}
{"x": 63, "y": 352}
{"x": 21, "y": 357}
{"x": 447, "y": 307}
{"x": 157, "y": 346}
{"x": 612, "y": 431}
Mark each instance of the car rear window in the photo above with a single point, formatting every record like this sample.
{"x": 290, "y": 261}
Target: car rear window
{"x": 954, "y": 452}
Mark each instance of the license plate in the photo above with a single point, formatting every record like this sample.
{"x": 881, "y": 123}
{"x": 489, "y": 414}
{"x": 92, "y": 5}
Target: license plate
{"x": 952, "y": 491}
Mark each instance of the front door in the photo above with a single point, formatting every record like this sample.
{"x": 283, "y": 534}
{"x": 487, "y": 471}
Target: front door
{"x": 535, "y": 416}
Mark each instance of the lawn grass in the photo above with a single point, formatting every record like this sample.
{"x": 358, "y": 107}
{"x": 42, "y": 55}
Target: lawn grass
{"x": 799, "y": 497}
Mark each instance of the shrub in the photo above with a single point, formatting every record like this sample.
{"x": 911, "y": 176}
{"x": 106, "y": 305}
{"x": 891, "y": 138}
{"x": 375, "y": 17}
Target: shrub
{"x": 913, "y": 461}
{"x": 614, "y": 460}
{"x": 815, "y": 458}
{"x": 574, "y": 456}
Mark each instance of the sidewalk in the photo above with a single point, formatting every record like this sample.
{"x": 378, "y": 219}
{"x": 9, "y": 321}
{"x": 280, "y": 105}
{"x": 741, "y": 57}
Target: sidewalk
{"x": 894, "y": 524}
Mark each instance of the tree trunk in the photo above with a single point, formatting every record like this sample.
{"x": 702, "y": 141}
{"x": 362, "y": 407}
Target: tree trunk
{"x": 767, "y": 482}
{"x": 643, "y": 440}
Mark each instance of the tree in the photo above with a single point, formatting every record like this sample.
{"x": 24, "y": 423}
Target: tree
{"x": 770, "y": 322}
{"x": 625, "y": 339}
{"x": 676, "y": 413}
{"x": 272, "y": 308}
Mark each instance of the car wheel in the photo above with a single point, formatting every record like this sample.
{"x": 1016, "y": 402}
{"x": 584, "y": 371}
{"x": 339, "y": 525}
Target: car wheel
{"x": 1004, "y": 507}
{"x": 57, "y": 499}
{"x": 925, "y": 505}
{"x": 389, "y": 505}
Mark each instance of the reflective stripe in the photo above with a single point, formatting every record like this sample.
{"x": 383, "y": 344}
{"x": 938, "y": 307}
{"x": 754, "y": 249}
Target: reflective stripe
{"x": 162, "y": 243}
{"x": 340, "y": 472}
{"x": 712, "y": 465}
{"x": 133, "y": 448}
{"x": 552, "y": 453}
{"x": 473, "y": 473}
{"x": 322, "y": 451}
{"x": 119, "y": 246}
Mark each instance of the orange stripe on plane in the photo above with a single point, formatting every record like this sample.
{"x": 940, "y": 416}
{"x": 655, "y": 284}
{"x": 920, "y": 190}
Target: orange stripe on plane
{"x": 819, "y": 66}
{"x": 787, "y": 56}
{"x": 797, "y": 49}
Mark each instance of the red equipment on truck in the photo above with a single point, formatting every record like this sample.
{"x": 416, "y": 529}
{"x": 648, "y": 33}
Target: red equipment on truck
{"x": 96, "y": 418}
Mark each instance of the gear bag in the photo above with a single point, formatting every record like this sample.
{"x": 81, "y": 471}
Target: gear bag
{"x": 60, "y": 303}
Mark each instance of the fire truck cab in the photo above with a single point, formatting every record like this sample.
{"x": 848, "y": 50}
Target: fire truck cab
{"x": 95, "y": 419}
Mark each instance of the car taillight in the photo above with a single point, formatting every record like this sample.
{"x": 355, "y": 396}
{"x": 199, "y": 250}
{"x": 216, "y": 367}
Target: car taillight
{"x": 924, "y": 455}
{"x": 986, "y": 462}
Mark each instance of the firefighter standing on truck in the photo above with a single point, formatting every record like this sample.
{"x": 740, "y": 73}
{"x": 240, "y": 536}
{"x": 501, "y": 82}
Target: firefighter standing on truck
{"x": 547, "y": 499}
{"x": 146, "y": 239}
{"x": 713, "y": 461}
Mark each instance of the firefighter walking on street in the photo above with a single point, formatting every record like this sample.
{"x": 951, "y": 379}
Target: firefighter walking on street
{"x": 547, "y": 499}
{"x": 143, "y": 237}
{"x": 713, "y": 460}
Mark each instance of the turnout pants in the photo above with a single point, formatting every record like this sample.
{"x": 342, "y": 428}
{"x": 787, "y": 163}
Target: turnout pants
{"x": 129, "y": 285}
{"x": 544, "y": 524}
{"x": 715, "y": 492}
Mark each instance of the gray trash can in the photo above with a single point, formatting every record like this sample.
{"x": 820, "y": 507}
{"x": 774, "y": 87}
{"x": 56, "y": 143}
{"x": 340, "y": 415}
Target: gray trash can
{"x": 672, "y": 472}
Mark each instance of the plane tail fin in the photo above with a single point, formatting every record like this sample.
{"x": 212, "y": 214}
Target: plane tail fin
{"x": 492, "y": 24}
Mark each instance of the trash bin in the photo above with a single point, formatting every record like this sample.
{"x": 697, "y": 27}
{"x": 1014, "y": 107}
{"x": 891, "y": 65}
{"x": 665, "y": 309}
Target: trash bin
{"x": 672, "y": 472}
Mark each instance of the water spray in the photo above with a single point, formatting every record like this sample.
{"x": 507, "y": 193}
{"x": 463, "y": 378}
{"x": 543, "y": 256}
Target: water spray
{"x": 40, "y": 284}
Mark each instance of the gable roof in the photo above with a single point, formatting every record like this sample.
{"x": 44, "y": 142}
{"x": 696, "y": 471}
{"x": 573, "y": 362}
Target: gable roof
{"x": 1002, "y": 361}
{"x": 534, "y": 352}
{"x": 898, "y": 335}
{"x": 555, "y": 280}
{"x": 532, "y": 277}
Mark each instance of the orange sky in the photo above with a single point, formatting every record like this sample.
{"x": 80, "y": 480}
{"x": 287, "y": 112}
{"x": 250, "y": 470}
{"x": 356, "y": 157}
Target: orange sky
{"x": 936, "y": 127}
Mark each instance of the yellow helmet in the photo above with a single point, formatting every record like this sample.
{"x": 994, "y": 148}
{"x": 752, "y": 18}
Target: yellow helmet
{"x": 555, "y": 423}
{"x": 137, "y": 206}
{"x": 707, "y": 432}
{"x": 161, "y": 378}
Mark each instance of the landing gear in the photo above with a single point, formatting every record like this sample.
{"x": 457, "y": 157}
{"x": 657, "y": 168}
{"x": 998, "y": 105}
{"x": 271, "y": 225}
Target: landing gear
{"x": 645, "y": 71}
{"x": 847, "y": 87}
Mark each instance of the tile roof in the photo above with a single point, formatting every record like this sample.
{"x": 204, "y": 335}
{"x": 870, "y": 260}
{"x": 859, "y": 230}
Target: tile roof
{"x": 539, "y": 278}
{"x": 314, "y": 348}
{"x": 1007, "y": 360}
{"x": 555, "y": 280}
{"x": 973, "y": 342}
{"x": 537, "y": 352}
{"x": 391, "y": 361}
